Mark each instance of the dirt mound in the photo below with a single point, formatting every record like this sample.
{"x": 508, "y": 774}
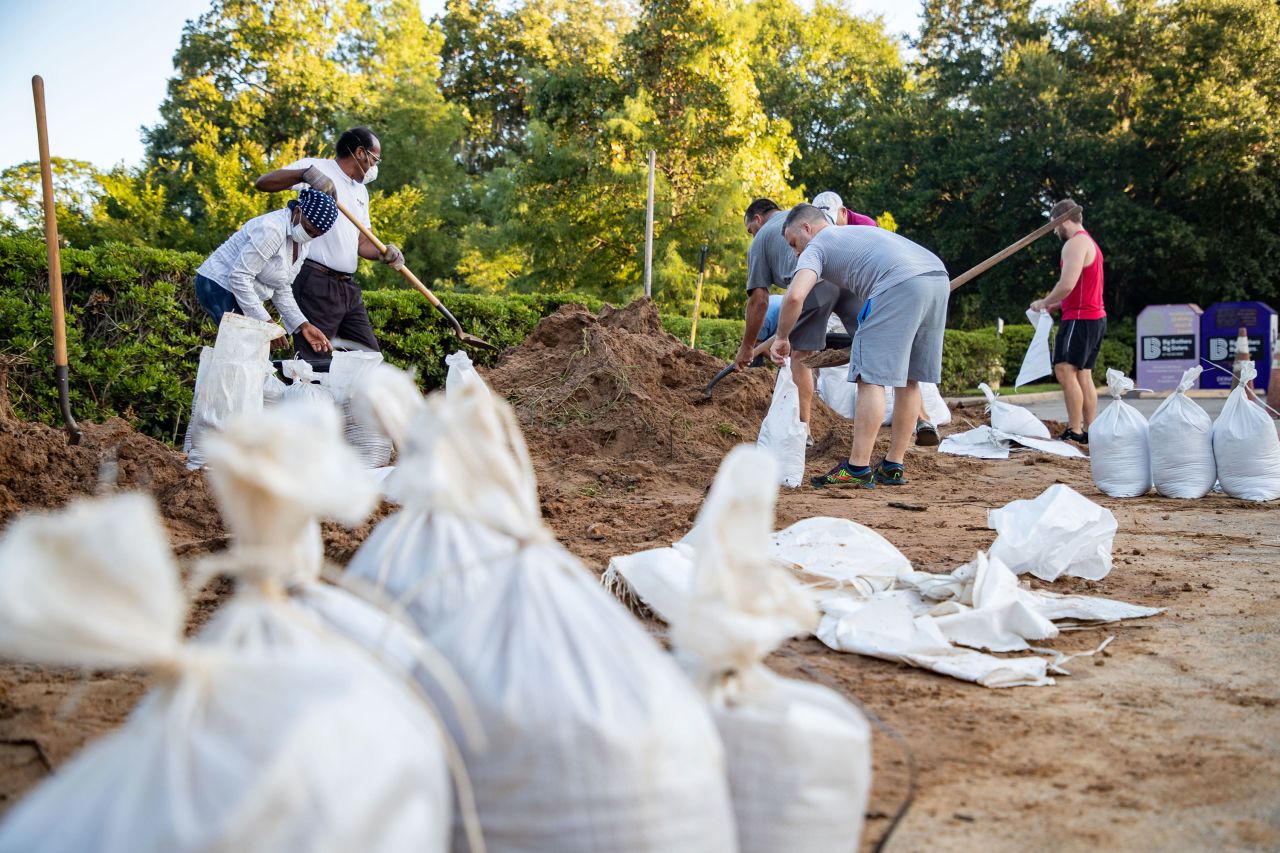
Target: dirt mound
{"x": 614, "y": 388}
{"x": 39, "y": 470}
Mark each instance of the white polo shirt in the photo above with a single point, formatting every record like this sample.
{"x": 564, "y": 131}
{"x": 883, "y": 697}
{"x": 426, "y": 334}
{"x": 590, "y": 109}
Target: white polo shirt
{"x": 338, "y": 248}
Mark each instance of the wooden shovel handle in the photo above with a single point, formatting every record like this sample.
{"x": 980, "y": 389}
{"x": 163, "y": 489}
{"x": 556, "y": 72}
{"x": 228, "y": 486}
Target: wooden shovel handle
{"x": 382, "y": 247}
{"x": 1021, "y": 244}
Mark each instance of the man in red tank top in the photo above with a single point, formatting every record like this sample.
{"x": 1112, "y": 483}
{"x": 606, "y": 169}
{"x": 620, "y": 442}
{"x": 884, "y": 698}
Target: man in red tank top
{"x": 1084, "y": 321}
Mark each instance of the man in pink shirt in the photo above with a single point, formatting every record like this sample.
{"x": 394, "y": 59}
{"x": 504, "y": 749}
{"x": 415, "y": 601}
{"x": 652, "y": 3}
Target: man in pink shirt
{"x": 1084, "y": 321}
{"x": 832, "y": 205}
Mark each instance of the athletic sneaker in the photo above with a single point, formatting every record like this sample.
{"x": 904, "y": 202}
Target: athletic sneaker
{"x": 889, "y": 474}
{"x": 1069, "y": 434}
{"x": 926, "y": 434}
{"x": 843, "y": 475}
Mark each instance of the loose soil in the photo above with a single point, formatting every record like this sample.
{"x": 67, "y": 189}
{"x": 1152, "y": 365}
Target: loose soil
{"x": 1168, "y": 740}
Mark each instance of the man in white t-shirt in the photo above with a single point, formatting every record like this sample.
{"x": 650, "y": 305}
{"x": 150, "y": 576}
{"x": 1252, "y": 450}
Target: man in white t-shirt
{"x": 325, "y": 289}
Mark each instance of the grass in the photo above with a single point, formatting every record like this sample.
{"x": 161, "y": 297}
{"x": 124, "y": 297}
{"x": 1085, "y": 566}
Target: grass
{"x": 1033, "y": 388}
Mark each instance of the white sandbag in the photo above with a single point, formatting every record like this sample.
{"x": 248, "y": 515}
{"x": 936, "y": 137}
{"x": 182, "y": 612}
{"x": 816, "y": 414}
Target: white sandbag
{"x": 461, "y": 372}
{"x": 991, "y": 614}
{"x": 272, "y": 389}
{"x": 389, "y": 399}
{"x": 885, "y": 628}
{"x": 986, "y": 442}
{"x": 799, "y": 755}
{"x": 840, "y": 550}
{"x": 782, "y": 433}
{"x": 1181, "y": 441}
{"x": 1007, "y": 417}
{"x": 935, "y": 408}
{"x": 1060, "y": 532}
{"x": 347, "y": 374}
{"x": 232, "y": 378}
{"x": 597, "y": 742}
{"x": 1038, "y": 362}
{"x": 206, "y": 356}
{"x": 297, "y": 749}
{"x": 304, "y": 384}
{"x": 841, "y": 396}
{"x": 1119, "y": 450}
{"x": 1245, "y": 446}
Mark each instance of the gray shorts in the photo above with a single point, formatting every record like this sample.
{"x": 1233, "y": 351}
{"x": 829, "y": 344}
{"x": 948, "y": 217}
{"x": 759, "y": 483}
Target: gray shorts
{"x": 899, "y": 333}
{"x": 810, "y": 332}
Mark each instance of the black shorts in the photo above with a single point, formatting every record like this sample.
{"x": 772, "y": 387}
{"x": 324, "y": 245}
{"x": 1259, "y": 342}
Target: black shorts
{"x": 810, "y": 332}
{"x": 1078, "y": 343}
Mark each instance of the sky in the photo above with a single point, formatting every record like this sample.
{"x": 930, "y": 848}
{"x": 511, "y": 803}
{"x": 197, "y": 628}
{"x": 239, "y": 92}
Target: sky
{"x": 105, "y": 64}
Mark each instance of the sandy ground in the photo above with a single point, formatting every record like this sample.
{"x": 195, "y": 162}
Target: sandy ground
{"x": 1169, "y": 741}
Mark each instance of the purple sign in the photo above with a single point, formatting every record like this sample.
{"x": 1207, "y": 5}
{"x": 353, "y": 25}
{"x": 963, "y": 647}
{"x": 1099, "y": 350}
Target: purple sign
{"x": 1168, "y": 344}
{"x": 1219, "y": 328}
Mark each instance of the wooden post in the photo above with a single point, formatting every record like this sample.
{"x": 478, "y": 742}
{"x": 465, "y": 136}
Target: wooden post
{"x": 648, "y": 230}
{"x": 697, "y": 298}
{"x": 60, "y": 370}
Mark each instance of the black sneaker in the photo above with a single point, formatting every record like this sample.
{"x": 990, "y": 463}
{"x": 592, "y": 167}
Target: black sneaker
{"x": 889, "y": 474}
{"x": 843, "y": 475}
{"x": 1069, "y": 434}
{"x": 926, "y": 434}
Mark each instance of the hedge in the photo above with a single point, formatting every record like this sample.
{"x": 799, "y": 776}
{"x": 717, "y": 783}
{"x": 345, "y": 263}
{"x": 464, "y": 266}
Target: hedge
{"x": 1117, "y": 350}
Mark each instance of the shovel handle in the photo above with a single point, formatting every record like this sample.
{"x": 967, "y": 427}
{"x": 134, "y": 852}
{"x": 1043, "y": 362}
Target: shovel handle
{"x": 1006, "y": 252}
{"x": 404, "y": 271}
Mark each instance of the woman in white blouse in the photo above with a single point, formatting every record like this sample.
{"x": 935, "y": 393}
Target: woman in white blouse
{"x": 261, "y": 260}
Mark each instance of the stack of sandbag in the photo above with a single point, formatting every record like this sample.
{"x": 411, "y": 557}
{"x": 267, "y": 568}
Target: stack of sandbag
{"x": 1012, "y": 419}
{"x": 1245, "y": 447}
{"x": 799, "y": 755}
{"x": 782, "y": 433}
{"x": 1119, "y": 448}
{"x": 596, "y": 741}
{"x": 1181, "y": 440}
{"x": 229, "y": 380}
{"x": 247, "y": 747}
{"x": 347, "y": 372}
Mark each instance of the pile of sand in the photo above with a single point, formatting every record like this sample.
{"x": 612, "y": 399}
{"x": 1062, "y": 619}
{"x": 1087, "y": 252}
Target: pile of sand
{"x": 613, "y": 390}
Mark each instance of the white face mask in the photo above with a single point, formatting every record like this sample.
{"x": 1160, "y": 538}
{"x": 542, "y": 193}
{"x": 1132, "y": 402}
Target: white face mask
{"x": 299, "y": 234}
{"x": 371, "y": 175}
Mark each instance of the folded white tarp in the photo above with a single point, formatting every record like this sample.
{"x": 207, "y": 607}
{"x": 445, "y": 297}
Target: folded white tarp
{"x": 1061, "y": 532}
{"x": 986, "y": 442}
{"x": 1038, "y": 361}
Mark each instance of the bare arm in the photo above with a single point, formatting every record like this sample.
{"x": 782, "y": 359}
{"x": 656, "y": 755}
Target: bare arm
{"x": 1074, "y": 253}
{"x": 367, "y": 250}
{"x": 757, "y": 307}
{"x": 803, "y": 282}
{"x": 279, "y": 180}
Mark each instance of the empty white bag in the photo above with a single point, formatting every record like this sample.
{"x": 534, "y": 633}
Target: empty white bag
{"x": 782, "y": 433}
{"x": 799, "y": 755}
{"x": 1181, "y": 440}
{"x": 230, "y": 379}
{"x": 596, "y": 741}
{"x": 1245, "y": 446}
{"x": 1119, "y": 450}
{"x": 266, "y": 749}
{"x": 1060, "y": 532}
{"x": 1007, "y": 417}
{"x": 1037, "y": 363}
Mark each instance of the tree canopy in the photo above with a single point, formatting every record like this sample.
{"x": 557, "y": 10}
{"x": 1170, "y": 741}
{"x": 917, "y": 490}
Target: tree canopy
{"x": 515, "y": 137}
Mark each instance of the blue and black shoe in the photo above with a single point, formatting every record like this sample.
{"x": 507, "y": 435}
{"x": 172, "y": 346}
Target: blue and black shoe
{"x": 846, "y": 475}
{"x": 890, "y": 474}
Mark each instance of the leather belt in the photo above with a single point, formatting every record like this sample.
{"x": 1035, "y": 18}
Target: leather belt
{"x": 316, "y": 265}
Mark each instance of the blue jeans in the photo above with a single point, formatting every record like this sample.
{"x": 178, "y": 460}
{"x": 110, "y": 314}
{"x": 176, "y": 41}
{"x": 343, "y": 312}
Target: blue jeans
{"x": 215, "y": 299}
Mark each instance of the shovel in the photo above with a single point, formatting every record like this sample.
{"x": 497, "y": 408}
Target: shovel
{"x": 835, "y": 358}
{"x": 465, "y": 337}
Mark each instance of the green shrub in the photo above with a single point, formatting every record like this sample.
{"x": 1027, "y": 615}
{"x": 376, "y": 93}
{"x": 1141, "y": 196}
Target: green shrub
{"x": 969, "y": 358}
{"x": 1117, "y": 349}
{"x": 719, "y": 337}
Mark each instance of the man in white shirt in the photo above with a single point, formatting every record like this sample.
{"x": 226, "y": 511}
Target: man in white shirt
{"x": 325, "y": 288}
{"x": 261, "y": 260}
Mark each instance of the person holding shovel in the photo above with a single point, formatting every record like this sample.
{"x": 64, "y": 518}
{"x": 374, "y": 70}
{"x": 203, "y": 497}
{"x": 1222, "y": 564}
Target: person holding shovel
{"x": 325, "y": 288}
{"x": 261, "y": 261}
{"x": 903, "y": 290}
{"x": 1084, "y": 320}
{"x": 770, "y": 263}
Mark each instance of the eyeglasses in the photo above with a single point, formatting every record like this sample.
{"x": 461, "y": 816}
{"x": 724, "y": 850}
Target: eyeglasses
{"x": 376, "y": 158}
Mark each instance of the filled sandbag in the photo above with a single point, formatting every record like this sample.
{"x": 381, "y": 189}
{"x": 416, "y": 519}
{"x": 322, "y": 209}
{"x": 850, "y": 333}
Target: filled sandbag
{"x": 841, "y": 396}
{"x": 230, "y": 379}
{"x": 347, "y": 373}
{"x": 237, "y": 747}
{"x": 1245, "y": 447}
{"x": 1181, "y": 441}
{"x": 799, "y": 755}
{"x": 1119, "y": 448}
{"x": 460, "y": 372}
{"x": 1009, "y": 418}
{"x": 782, "y": 433}
{"x": 304, "y": 383}
{"x": 597, "y": 743}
